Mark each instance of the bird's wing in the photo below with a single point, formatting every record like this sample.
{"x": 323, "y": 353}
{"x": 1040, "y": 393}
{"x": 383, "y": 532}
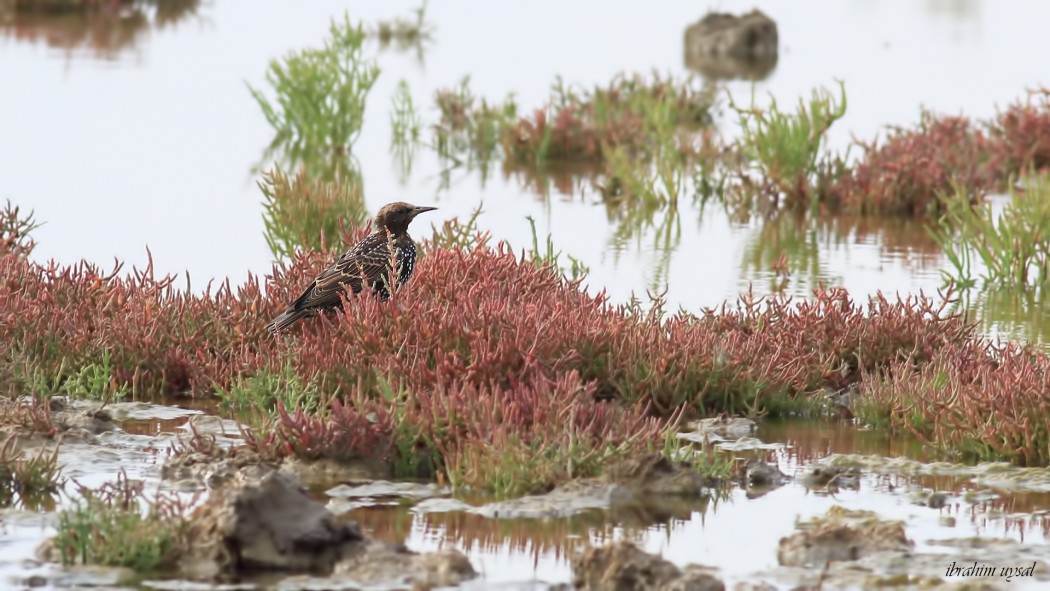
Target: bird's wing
{"x": 368, "y": 258}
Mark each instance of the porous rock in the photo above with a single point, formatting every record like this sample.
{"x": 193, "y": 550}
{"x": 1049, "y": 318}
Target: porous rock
{"x": 837, "y": 540}
{"x": 622, "y": 566}
{"x": 654, "y": 474}
{"x": 726, "y": 46}
{"x": 266, "y": 523}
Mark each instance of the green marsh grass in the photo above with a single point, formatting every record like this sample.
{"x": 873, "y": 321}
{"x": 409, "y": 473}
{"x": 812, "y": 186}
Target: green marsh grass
{"x": 1012, "y": 245}
{"x": 108, "y": 526}
{"x": 319, "y": 98}
{"x": 786, "y": 146}
{"x": 267, "y": 389}
{"x": 92, "y": 381}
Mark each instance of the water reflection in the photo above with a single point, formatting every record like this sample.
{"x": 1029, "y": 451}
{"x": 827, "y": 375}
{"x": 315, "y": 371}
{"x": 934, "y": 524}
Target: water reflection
{"x": 531, "y": 538}
{"x": 100, "y": 29}
{"x": 406, "y": 35}
{"x": 805, "y": 243}
{"x": 1010, "y": 313}
{"x": 739, "y": 535}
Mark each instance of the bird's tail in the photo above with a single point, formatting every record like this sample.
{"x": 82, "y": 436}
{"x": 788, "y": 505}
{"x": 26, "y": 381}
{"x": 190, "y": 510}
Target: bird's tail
{"x": 286, "y": 319}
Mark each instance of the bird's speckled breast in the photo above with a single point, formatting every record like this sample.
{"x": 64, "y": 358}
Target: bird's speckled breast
{"x": 406, "y": 259}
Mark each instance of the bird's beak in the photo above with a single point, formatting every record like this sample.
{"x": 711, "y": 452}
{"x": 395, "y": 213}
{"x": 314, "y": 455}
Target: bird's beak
{"x": 420, "y": 210}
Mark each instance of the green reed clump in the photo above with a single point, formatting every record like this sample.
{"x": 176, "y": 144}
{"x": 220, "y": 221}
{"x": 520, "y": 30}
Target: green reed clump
{"x": 456, "y": 235}
{"x": 91, "y": 381}
{"x": 320, "y": 96}
{"x": 308, "y": 212}
{"x": 94, "y": 381}
{"x": 27, "y": 477}
{"x": 107, "y": 526}
{"x": 1013, "y": 245}
{"x": 786, "y": 146}
{"x": 267, "y": 389}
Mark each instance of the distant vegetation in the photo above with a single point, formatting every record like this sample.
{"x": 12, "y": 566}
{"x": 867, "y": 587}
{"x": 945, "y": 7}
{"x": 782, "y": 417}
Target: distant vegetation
{"x": 318, "y": 106}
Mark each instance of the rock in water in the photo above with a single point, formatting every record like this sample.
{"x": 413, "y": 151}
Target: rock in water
{"x": 725, "y": 46}
{"x": 268, "y": 523}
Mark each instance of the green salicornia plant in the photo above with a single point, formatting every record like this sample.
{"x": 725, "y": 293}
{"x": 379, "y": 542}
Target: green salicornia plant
{"x": 1013, "y": 245}
{"x": 266, "y": 389}
{"x": 320, "y": 94}
{"x": 786, "y": 146}
{"x": 107, "y": 526}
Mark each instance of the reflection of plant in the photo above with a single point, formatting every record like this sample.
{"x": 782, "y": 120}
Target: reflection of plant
{"x": 320, "y": 98}
{"x": 644, "y": 196}
{"x": 105, "y": 27}
{"x": 1013, "y": 246}
{"x": 28, "y": 478}
{"x": 1012, "y": 312}
{"x": 306, "y": 212}
{"x": 469, "y": 132}
{"x": 787, "y": 244}
{"x": 405, "y": 128}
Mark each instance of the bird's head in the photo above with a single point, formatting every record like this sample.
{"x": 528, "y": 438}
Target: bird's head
{"x": 395, "y": 217}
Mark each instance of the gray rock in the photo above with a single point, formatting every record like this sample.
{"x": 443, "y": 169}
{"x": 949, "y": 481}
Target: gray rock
{"x": 622, "y": 566}
{"x": 266, "y": 523}
{"x": 725, "y": 46}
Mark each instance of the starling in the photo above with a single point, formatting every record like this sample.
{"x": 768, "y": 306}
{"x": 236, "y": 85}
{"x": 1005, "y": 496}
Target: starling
{"x": 368, "y": 259}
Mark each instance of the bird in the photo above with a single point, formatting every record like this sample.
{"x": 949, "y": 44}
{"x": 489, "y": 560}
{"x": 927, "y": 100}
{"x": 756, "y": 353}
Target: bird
{"x": 368, "y": 259}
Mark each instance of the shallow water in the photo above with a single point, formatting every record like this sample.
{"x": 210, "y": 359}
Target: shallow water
{"x": 155, "y": 137}
{"x": 738, "y": 535}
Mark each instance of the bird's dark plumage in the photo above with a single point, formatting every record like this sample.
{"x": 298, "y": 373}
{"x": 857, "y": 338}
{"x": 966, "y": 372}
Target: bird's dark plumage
{"x": 368, "y": 259}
